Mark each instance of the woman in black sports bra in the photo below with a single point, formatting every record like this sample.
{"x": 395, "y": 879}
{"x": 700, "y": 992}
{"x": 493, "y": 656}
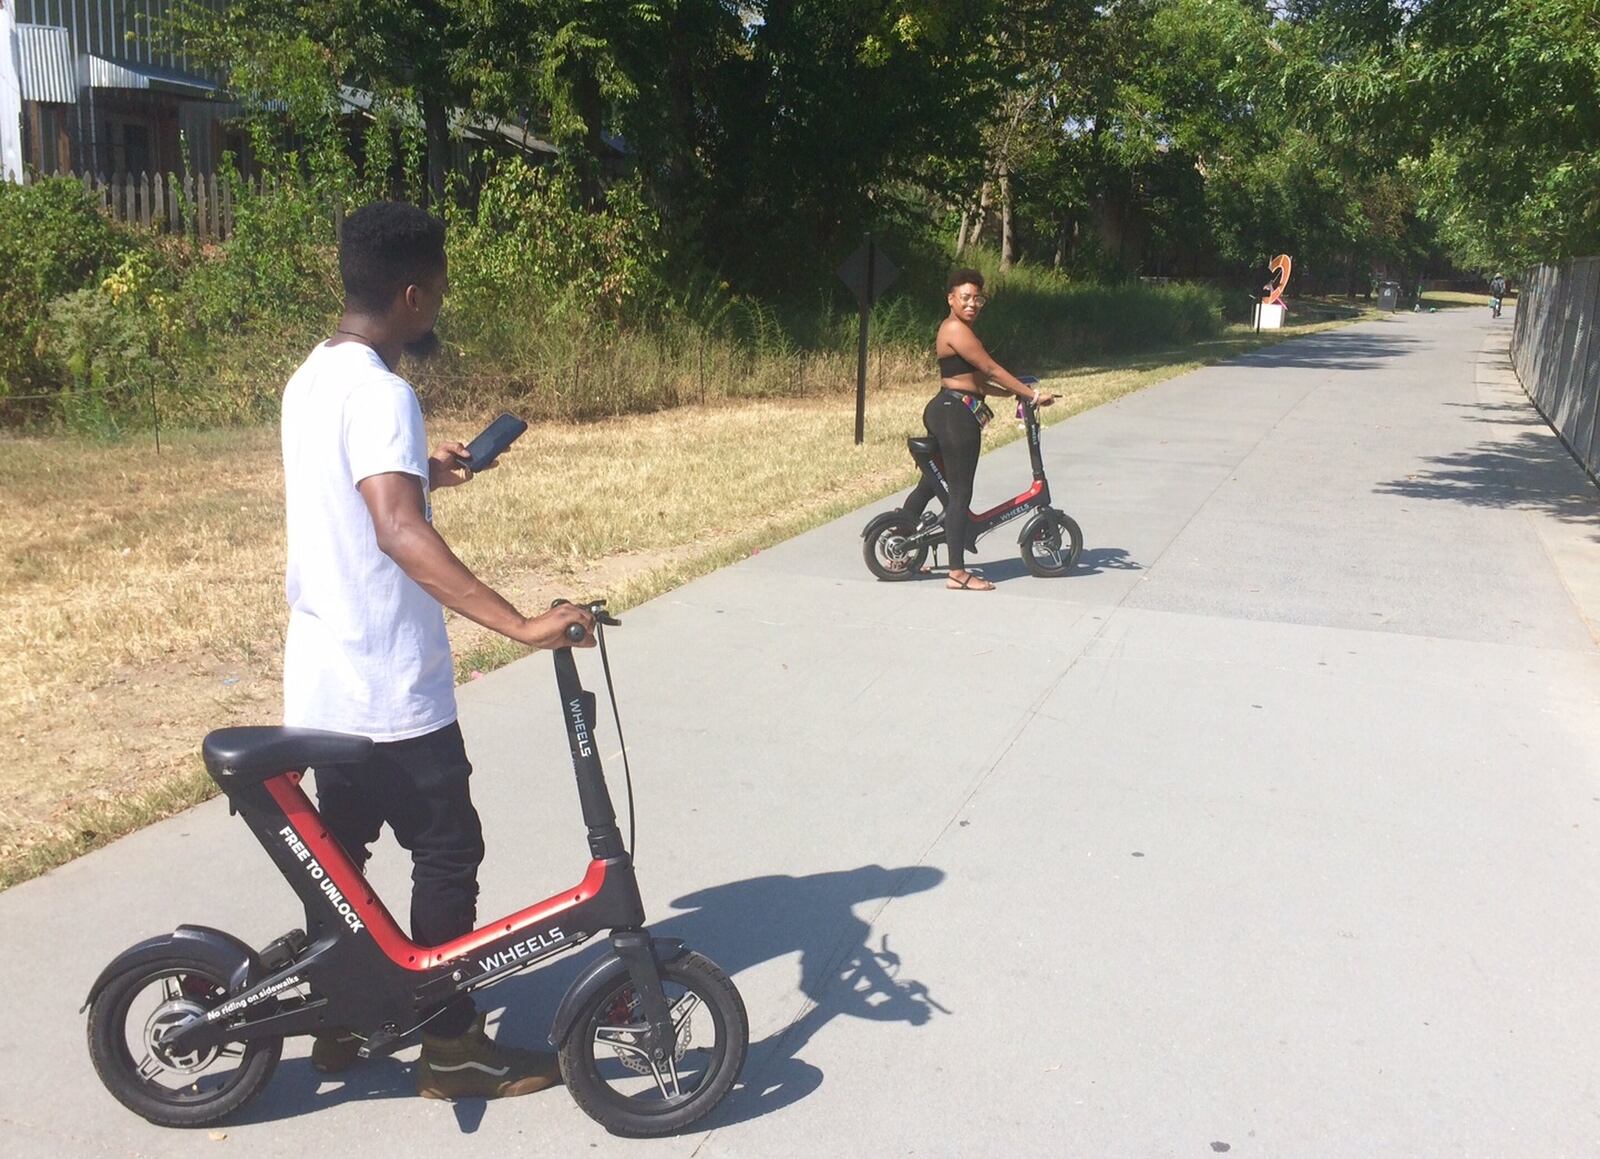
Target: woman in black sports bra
{"x": 966, "y": 373}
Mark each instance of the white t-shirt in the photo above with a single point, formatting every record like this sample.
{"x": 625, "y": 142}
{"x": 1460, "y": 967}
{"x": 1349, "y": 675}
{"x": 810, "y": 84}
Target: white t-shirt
{"x": 367, "y": 651}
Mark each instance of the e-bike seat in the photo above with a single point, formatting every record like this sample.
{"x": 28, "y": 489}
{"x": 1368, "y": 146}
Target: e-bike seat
{"x": 244, "y": 756}
{"x": 923, "y": 446}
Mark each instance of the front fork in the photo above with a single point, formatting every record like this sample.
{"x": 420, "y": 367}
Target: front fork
{"x": 634, "y": 948}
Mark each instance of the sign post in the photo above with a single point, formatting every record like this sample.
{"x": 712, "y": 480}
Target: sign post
{"x": 868, "y": 273}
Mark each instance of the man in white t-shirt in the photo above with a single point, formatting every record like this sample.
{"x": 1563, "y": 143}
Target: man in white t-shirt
{"x": 368, "y": 579}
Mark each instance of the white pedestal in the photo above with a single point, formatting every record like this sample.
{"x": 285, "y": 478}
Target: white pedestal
{"x": 1269, "y": 316}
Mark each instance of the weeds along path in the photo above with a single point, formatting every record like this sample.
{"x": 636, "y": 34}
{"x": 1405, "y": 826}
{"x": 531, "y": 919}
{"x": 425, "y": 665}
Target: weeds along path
{"x": 141, "y": 595}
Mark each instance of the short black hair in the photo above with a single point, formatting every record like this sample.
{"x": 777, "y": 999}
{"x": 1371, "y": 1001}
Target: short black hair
{"x": 964, "y": 277}
{"x": 385, "y": 247}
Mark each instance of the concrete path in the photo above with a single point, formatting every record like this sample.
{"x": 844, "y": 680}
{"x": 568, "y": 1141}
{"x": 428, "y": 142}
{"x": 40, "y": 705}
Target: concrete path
{"x": 1273, "y": 832}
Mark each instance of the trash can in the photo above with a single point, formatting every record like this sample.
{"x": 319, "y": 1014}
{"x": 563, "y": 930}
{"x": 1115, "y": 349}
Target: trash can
{"x": 1388, "y": 295}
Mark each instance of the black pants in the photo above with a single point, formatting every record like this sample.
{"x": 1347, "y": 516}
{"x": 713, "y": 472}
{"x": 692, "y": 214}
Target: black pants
{"x": 419, "y": 788}
{"x": 960, "y": 439}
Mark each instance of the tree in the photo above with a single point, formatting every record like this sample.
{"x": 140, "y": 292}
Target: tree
{"x": 1493, "y": 105}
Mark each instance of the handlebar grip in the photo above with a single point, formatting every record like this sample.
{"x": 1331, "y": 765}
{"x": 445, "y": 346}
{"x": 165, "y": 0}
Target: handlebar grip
{"x": 597, "y": 609}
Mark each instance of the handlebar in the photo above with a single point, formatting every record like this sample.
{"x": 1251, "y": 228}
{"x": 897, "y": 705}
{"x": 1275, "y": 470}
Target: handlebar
{"x": 597, "y": 609}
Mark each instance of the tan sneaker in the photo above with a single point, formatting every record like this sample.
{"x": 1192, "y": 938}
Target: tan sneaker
{"x": 475, "y": 1066}
{"x": 335, "y": 1050}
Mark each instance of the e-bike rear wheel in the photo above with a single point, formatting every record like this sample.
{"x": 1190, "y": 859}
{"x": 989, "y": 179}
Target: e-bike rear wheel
{"x": 1052, "y": 541}
{"x": 626, "y": 1091}
{"x": 130, "y": 1018}
{"x": 886, "y": 551}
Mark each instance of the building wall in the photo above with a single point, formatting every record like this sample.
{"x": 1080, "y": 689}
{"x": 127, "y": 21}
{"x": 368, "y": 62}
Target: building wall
{"x": 115, "y": 29}
{"x": 113, "y": 127}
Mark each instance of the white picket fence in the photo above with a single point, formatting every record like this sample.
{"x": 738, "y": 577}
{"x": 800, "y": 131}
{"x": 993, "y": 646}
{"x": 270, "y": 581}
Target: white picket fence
{"x": 199, "y": 205}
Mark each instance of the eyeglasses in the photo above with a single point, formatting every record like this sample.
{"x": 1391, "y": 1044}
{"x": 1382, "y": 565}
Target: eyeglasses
{"x": 973, "y": 299}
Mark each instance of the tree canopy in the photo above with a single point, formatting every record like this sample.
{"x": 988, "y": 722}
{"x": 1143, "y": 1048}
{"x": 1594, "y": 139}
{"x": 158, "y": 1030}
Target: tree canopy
{"x": 1175, "y": 137}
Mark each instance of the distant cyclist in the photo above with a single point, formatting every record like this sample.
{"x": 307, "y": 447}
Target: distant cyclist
{"x": 1497, "y": 293}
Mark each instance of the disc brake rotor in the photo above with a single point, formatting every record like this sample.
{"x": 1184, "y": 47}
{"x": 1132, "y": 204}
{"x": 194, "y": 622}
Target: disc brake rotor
{"x": 634, "y": 1062}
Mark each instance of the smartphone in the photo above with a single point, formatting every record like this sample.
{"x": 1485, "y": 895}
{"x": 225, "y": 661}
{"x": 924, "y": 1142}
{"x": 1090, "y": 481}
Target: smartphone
{"x": 492, "y": 442}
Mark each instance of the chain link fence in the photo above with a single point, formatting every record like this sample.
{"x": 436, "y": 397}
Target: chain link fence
{"x": 1556, "y": 355}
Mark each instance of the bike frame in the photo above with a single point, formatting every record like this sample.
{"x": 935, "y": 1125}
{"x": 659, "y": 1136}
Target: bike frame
{"x": 360, "y": 971}
{"x": 979, "y": 524}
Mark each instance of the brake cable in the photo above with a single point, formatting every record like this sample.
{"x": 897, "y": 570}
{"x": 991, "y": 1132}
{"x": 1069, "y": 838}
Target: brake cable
{"x": 616, "y": 716}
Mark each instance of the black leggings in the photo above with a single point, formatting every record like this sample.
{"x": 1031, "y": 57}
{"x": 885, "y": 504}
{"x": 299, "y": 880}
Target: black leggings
{"x": 960, "y": 438}
{"x": 419, "y": 787}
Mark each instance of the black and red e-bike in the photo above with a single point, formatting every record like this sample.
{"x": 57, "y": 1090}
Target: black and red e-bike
{"x": 186, "y": 1027}
{"x": 1050, "y": 543}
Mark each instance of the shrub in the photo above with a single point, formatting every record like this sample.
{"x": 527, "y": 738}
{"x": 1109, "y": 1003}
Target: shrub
{"x": 115, "y": 345}
{"x": 53, "y": 241}
{"x": 554, "y": 309}
{"x": 247, "y": 311}
{"x": 279, "y": 271}
{"x": 1039, "y": 318}
{"x": 529, "y": 257}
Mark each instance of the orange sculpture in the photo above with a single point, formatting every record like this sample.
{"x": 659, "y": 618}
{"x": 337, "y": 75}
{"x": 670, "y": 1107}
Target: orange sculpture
{"x": 1279, "y": 268}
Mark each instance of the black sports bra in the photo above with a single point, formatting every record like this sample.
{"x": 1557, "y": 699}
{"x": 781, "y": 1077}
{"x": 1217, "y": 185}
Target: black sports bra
{"x": 951, "y": 365}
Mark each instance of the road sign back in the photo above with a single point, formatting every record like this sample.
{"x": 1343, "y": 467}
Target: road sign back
{"x": 868, "y": 267}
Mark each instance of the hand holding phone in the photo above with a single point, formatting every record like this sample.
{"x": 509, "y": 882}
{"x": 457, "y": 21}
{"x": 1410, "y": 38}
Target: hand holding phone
{"x": 492, "y": 441}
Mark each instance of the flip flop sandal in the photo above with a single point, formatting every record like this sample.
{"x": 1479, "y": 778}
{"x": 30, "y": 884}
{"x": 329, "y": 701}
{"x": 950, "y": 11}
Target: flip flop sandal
{"x": 967, "y": 585}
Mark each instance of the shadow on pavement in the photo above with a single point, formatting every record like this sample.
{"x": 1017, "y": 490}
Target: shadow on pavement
{"x": 296, "y": 1089}
{"x": 739, "y": 925}
{"x": 1339, "y": 350}
{"x": 1508, "y": 414}
{"x": 841, "y": 971}
{"x": 1093, "y": 561}
{"x": 1205, "y": 351}
{"x": 1532, "y": 471}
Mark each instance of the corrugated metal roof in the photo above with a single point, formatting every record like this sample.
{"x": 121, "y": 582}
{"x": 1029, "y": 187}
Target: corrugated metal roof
{"x": 48, "y": 70}
{"x": 101, "y": 73}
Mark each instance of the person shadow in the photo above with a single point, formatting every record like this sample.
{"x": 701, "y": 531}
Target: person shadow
{"x": 844, "y": 972}
{"x": 740, "y": 925}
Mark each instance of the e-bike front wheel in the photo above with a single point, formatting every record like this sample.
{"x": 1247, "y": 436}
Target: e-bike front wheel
{"x": 1051, "y": 544}
{"x": 137, "y": 1010}
{"x": 626, "y": 1091}
{"x": 887, "y": 551}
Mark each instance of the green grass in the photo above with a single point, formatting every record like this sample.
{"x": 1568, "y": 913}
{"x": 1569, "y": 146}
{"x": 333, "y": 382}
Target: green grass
{"x": 87, "y": 826}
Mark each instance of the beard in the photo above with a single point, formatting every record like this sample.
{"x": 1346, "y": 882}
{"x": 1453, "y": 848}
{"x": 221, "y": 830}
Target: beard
{"x": 423, "y": 348}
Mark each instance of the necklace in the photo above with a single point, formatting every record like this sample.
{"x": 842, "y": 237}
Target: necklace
{"x": 370, "y": 344}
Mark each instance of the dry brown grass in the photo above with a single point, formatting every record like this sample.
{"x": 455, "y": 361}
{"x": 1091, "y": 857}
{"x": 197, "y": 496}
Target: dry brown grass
{"x": 141, "y": 595}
